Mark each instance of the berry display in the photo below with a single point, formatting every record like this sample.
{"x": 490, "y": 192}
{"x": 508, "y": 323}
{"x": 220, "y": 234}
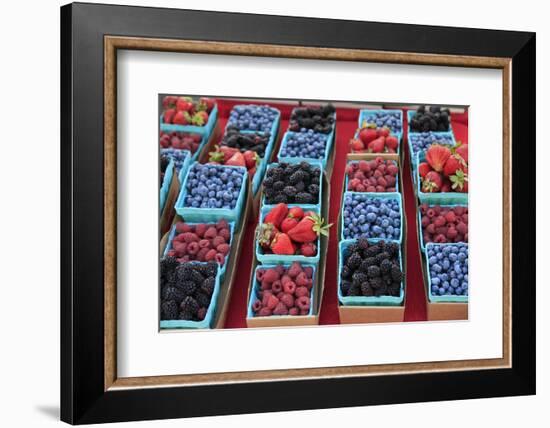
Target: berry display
{"x": 304, "y": 144}
{"x": 376, "y": 175}
{"x": 213, "y": 186}
{"x": 283, "y": 290}
{"x": 444, "y": 224}
{"x": 182, "y": 293}
{"x": 164, "y": 162}
{"x": 319, "y": 119}
{"x": 373, "y": 139}
{"x": 290, "y": 232}
{"x": 421, "y": 141}
{"x": 445, "y": 169}
{"x": 256, "y": 142}
{"x": 230, "y": 156}
{"x": 370, "y": 217}
{"x": 292, "y": 184}
{"x": 201, "y": 242}
{"x": 252, "y": 117}
{"x": 371, "y": 269}
{"x": 178, "y": 156}
{"x": 433, "y": 118}
{"x": 186, "y": 110}
{"x": 448, "y": 269}
{"x": 180, "y": 141}
{"x": 384, "y": 119}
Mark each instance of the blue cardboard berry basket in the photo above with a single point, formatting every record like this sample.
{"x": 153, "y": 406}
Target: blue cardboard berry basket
{"x": 324, "y": 160}
{"x": 183, "y": 170}
{"x": 166, "y": 182}
{"x": 306, "y": 207}
{"x": 420, "y": 230}
{"x": 366, "y": 300}
{"x": 208, "y": 320}
{"x": 449, "y": 298}
{"x": 212, "y": 214}
{"x": 436, "y": 198}
{"x": 256, "y": 287}
{"x": 413, "y": 154}
{"x": 411, "y": 113}
{"x": 205, "y": 130}
{"x": 172, "y": 234}
{"x": 366, "y": 114}
{"x": 382, "y": 195}
{"x": 280, "y": 258}
{"x": 396, "y": 179}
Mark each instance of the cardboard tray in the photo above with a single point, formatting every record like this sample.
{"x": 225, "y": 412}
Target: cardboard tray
{"x": 378, "y": 314}
{"x": 319, "y": 282}
{"x": 168, "y": 212}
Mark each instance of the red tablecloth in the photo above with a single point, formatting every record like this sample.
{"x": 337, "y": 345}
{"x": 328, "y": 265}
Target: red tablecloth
{"x": 415, "y": 308}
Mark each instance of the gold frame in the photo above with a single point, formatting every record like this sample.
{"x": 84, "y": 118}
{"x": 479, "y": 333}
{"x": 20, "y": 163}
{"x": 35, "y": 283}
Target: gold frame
{"x": 112, "y": 43}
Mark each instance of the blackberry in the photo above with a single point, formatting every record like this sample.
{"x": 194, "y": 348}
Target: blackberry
{"x": 394, "y": 291}
{"x": 305, "y": 198}
{"x": 385, "y": 266}
{"x": 354, "y": 290}
{"x": 279, "y": 185}
{"x": 396, "y": 273}
{"x": 345, "y": 285}
{"x": 280, "y": 198}
{"x": 376, "y": 283}
{"x": 208, "y": 286}
{"x": 373, "y": 271}
{"x": 172, "y": 293}
{"x": 167, "y": 265}
{"x": 353, "y": 261}
{"x": 209, "y": 269}
{"x": 290, "y": 190}
{"x": 384, "y": 255}
{"x": 346, "y": 272}
{"x": 168, "y": 310}
{"x": 297, "y": 177}
{"x": 352, "y": 248}
{"x": 189, "y": 305}
{"x": 315, "y": 180}
{"x": 382, "y": 291}
{"x": 366, "y": 289}
{"x": 185, "y": 315}
{"x": 372, "y": 251}
{"x": 364, "y": 266}
{"x": 202, "y": 299}
{"x": 268, "y": 182}
{"x": 363, "y": 243}
{"x": 359, "y": 278}
{"x": 313, "y": 189}
{"x": 300, "y": 187}
{"x": 187, "y": 287}
{"x": 392, "y": 248}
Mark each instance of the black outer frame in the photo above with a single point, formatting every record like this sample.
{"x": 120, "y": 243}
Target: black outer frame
{"x": 83, "y": 399}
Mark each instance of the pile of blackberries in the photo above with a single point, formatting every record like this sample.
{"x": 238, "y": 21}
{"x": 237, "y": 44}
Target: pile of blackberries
{"x": 186, "y": 289}
{"x": 434, "y": 118}
{"x": 371, "y": 269}
{"x": 320, "y": 119}
{"x": 292, "y": 183}
{"x": 246, "y": 141}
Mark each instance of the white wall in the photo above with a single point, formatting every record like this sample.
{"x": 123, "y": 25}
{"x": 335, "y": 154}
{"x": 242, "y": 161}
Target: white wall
{"x": 29, "y": 182}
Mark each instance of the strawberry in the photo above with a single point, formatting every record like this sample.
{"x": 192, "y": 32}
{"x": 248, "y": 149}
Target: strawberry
{"x": 309, "y": 228}
{"x": 200, "y": 118}
{"x": 236, "y": 160}
{"x": 251, "y": 159}
{"x": 227, "y": 152}
{"x": 462, "y": 151}
{"x": 446, "y": 186}
{"x": 356, "y": 145}
{"x": 207, "y": 103}
{"x": 453, "y": 164}
{"x": 392, "y": 142}
{"x": 378, "y": 145}
{"x": 181, "y": 118}
{"x": 169, "y": 102}
{"x": 296, "y": 212}
{"x": 383, "y": 132}
{"x": 309, "y": 249}
{"x": 432, "y": 182}
{"x": 367, "y": 134}
{"x": 437, "y": 155}
{"x": 282, "y": 244}
{"x": 184, "y": 104}
{"x": 459, "y": 181}
{"x": 265, "y": 234}
{"x": 288, "y": 224}
{"x": 169, "y": 115}
{"x": 276, "y": 215}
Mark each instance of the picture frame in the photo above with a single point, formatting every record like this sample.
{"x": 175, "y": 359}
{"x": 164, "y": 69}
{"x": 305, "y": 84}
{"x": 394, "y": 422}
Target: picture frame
{"x": 91, "y": 391}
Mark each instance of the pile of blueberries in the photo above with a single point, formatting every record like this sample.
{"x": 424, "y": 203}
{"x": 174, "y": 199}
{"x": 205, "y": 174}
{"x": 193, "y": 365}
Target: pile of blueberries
{"x": 252, "y": 117}
{"x": 307, "y": 144}
{"x": 422, "y": 140}
{"x": 214, "y": 186}
{"x": 385, "y": 119}
{"x": 448, "y": 266}
{"x": 370, "y": 217}
{"x": 178, "y": 156}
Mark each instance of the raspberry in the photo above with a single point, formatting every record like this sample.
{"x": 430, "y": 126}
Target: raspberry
{"x": 200, "y": 229}
{"x": 264, "y": 312}
{"x": 451, "y": 233}
{"x": 218, "y": 240}
{"x": 265, "y": 286}
{"x": 462, "y": 228}
{"x": 180, "y": 248}
{"x": 182, "y": 227}
{"x": 450, "y": 217}
{"x": 265, "y": 297}
{"x": 289, "y": 287}
{"x": 280, "y": 269}
{"x": 460, "y": 210}
{"x": 280, "y": 309}
{"x": 193, "y": 248}
{"x": 465, "y": 218}
{"x": 294, "y": 269}
{"x": 440, "y": 221}
{"x": 276, "y": 286}
{"x": 304, "y": 311}
{"x": 382, "y": 182}
{"x": 190, "y": 237}
{"x": 171, "y": 253}
{"x": 288, "y": 300}
{"x": 260, "y": 274}
{"x": 430, "y": 213}
{"x": 301, "y": 279}
{"x": 371, "y": 189}
{"x": 272, "y": 301}
{"x": 363, "y": 165}
{"x": 440, "y": 239}
{"x": 223, "y": 249}
{"x": 210, "y": 233}
{"x": 294, "y": 311}
{"x": 256, "y": 306}
{"x": 271, "y": 275}
{"x": 225, "y": 233}
{"x": 303, "y": 303}
{"x": 220, "y": 258}
{"x": 280, "y": 295}
{"x": 425, "y": 221}
{"x": 285, "y": 278}
{"x": 222, "y": 224}
{"x": 301, "y": 292}
{"x": 309, "y": 271}
{"x": 202, "y": 254}
{"x": 210, "y": 255}
{"x": 430, "y": 228}
{"x": 441, "y": 230}
{"x": 204, "y": 243}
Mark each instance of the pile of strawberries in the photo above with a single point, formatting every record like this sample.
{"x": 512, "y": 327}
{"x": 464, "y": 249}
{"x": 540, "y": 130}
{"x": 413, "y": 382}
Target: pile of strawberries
{"x": 445, "y": 169}
{"x": 186, "y": 111}
{"x": 376, "y": 175}
{"x": 283, "y": 290}
{"x": 180, "y": 140}
{"x": 201, "y": 242}
{"x": 372, "y": 139}
{"x": 224, "y": 155}
{"x": 444, "y": 224}
{"x": 290, "y": 231}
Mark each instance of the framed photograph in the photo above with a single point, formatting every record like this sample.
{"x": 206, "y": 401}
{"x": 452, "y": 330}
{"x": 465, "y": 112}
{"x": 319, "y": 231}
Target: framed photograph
{"x": 316, "y": 212}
